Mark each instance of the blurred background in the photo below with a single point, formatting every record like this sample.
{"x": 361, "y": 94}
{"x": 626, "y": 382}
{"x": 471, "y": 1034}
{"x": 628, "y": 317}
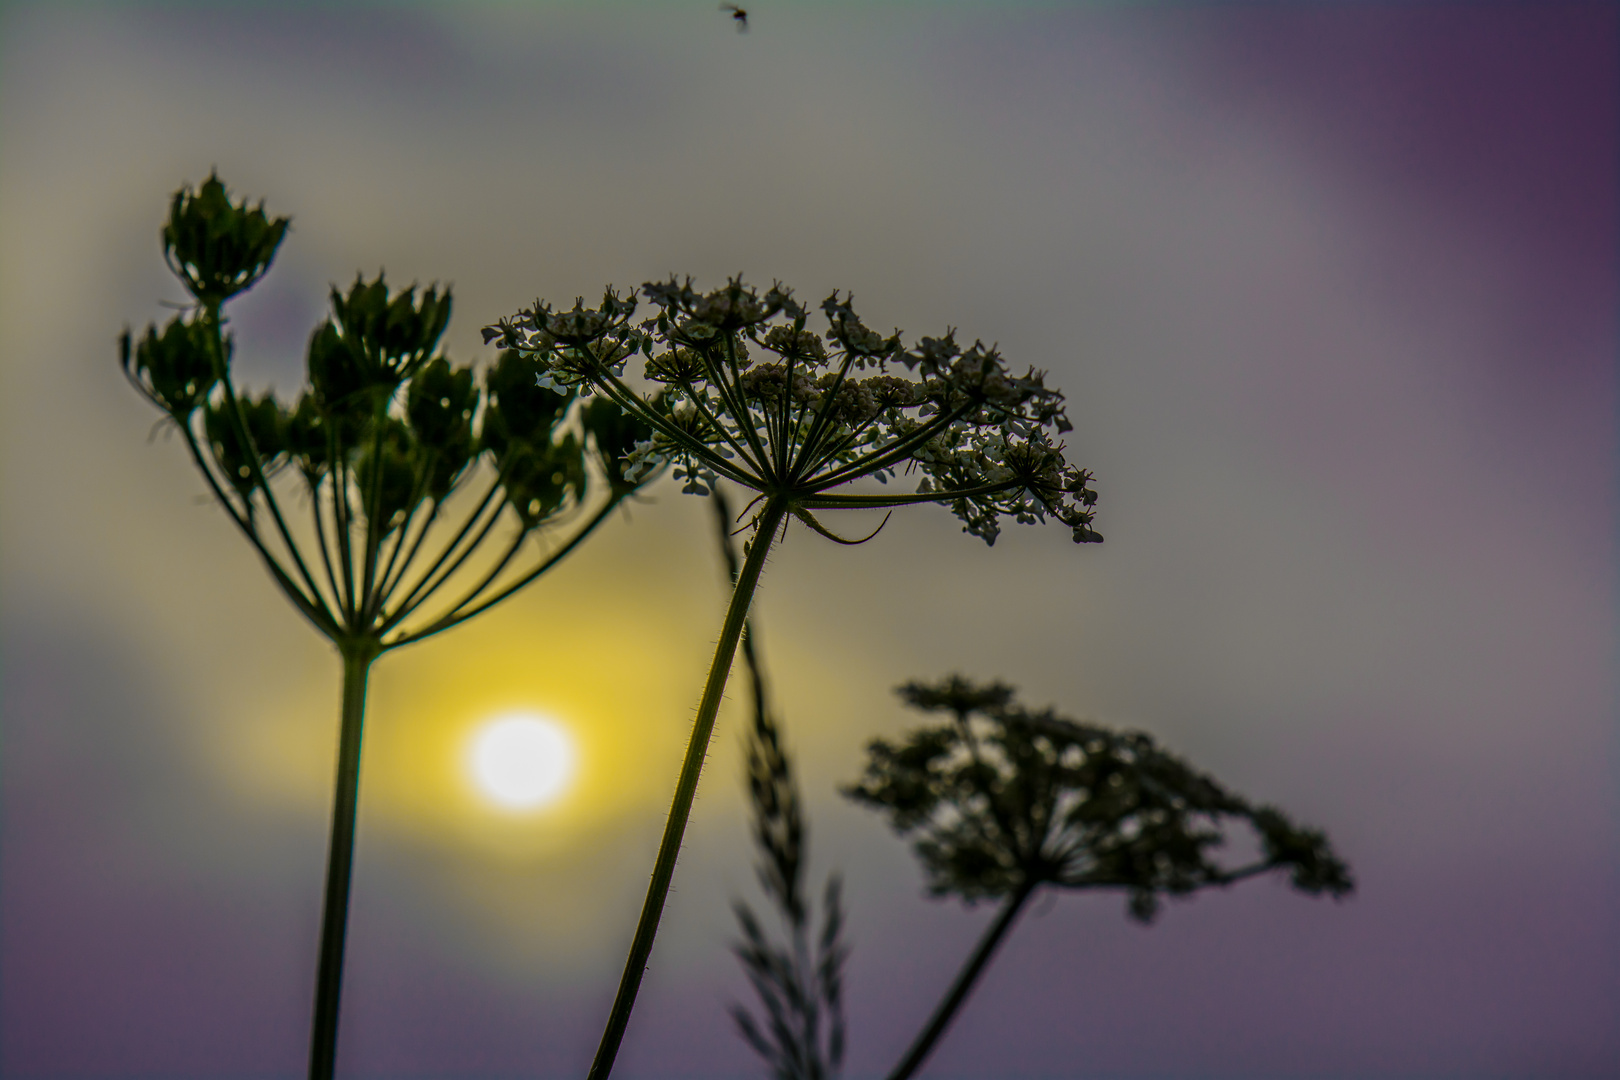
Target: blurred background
{"x": 1331, "y": 289}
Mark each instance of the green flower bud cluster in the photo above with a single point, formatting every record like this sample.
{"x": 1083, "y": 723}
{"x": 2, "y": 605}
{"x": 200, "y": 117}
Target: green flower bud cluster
{"x": 1001, "y": 798}
{"x": 217, "y": 247}
{"x": 173, "y": 368}
{"x": 802, "y": 422}
{"x": 386, "y": 430}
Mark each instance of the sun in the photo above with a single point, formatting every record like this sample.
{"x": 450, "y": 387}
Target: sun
{"x": 521, "y": 761}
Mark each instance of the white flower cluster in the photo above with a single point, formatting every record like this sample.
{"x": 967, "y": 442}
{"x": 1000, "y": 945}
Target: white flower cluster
{"x": 822, "y": 410}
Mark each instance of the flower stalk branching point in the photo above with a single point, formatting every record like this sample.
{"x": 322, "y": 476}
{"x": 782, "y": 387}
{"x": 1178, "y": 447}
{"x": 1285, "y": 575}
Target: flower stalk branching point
{"x": 749, "y": 394}
{"x": 397, "y": 497}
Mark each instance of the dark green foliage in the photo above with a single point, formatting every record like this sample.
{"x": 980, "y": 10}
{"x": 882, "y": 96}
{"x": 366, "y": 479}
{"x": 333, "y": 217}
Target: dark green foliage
{"x": 1002, "y": 798}
{"x": 218, "y": 247}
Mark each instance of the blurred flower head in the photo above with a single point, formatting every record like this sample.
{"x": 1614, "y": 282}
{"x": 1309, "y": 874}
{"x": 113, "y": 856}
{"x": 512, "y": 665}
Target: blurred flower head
{"x": 1000, "y": 799}
{"x": 217, "y": 246}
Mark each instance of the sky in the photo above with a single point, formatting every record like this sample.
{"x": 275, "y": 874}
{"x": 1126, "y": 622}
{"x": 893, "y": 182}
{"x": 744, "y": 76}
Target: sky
{"x": 1331, "y": 290}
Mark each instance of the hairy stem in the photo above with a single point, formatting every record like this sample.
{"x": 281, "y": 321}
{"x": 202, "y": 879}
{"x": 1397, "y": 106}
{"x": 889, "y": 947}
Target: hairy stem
{"x": 959, "y": 990}
{"x": 635, "y": 965}
{"x": 357, "y": 659}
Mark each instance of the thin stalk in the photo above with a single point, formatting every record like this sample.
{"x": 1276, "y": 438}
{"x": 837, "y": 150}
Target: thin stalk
{"x": 810, "y": 448}
{"x": 879, "y": 502}
{"x": 750, "y": 646}
{"x": 964, "y": 983}
{"x": 343, "y": 519}
{"x": 777, "y": 430}
{"x": 891, "y": 453}
{"x": 713, "y": 421}
{"x": 631, "y": 402}
{"x": 384, "y": 584}
{"x": 410, "y": 603}
{"x": 737, "y": 406}
{"x": 321, "y": 542}
{"x": 635, "y": 965}
{"x": 392, "y": 579}
{"x": 420, "y": 596}
{"x": 319, "y": 616}
{"x": 375, "y": 529}
{"x": 250, "y": 450}
{"x": 357, "y": 660}
{"x": 451, "y": 618}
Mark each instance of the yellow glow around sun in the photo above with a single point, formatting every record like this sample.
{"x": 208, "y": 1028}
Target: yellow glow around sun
{"x": 521, "y": 761}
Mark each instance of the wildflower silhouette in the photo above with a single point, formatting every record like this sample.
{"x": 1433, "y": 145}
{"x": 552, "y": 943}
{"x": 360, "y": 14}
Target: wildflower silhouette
{"x": 793, "y": 424}
{"x": 1003, "y": 801}
{"x": 798, "y": 988}
{"x": 403, "y": 466}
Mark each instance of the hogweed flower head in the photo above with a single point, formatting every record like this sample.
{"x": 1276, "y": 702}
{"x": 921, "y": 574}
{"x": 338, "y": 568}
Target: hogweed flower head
{"x": 386, "y": 450}
{"x": 751, "y": 394}
{"x": 1002, "y": 801}
{"x": 1001, "y": 798}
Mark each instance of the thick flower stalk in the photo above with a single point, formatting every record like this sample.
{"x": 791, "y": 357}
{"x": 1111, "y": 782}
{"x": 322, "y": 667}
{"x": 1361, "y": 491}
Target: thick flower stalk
{"x": 747, "y": 393}
{"x": 799, "y": 1031}
{"x": 1001, "y": 801}
{"x": 394, "y": 499}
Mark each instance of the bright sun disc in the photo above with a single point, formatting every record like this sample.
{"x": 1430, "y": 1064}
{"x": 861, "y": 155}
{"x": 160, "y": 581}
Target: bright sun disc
{"x": 522, "y": 761}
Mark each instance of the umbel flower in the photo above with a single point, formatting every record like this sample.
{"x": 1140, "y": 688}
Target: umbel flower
{"x": 1001, "y": 801}
{"x": 402, "y": 467}
{"x": 754, "y": 397}
{"x": 748, "y": 393}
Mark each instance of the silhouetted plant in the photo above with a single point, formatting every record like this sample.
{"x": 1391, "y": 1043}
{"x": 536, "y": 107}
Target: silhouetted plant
{"x": 388, "y": 444}
{"x": 1002, "y": 801}
{"x": 799, "y": 989}
{"x": 792, "y": 428}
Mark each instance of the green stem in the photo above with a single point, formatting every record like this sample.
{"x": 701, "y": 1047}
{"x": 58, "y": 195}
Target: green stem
{"x": 357, "y": 659}
{"x": 635, "y": 964}
{"x": 964, "y": 982}
{"x": 250, "y": 450}
{"x": 456, "y": 616}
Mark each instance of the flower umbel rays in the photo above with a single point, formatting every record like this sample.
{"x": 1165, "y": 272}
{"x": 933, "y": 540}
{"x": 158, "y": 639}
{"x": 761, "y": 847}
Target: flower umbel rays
{"x": 1001, "y": 801}
{"x": 753, "y": 396}
{"x": 748, "y": 394}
